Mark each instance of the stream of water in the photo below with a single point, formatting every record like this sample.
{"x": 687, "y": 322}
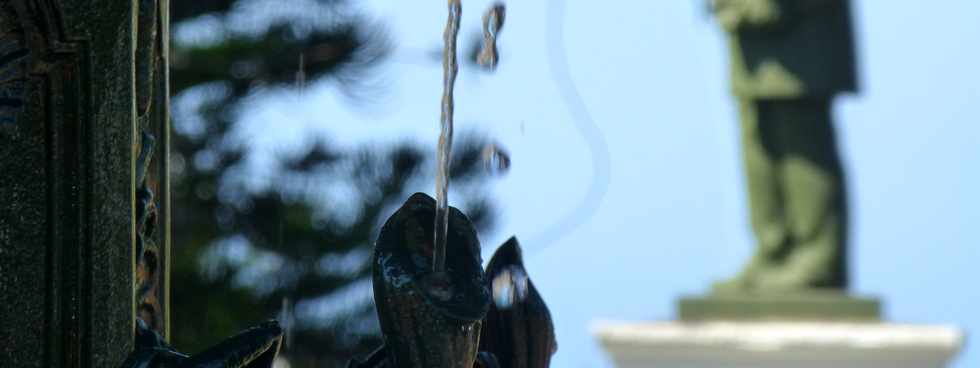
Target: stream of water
{"x": 444, "y": 150}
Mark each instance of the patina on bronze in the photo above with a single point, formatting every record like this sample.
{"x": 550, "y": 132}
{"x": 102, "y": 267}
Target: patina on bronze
{"x": 789, "y": 60}
{"x": 442, "y": 320}
{"x": 520, "y": 333}
{"x": 253, "y": 348}
{"x": 429, "y": 319}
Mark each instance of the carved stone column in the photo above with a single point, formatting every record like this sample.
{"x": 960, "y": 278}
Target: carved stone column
{"x": 80, "y": 83}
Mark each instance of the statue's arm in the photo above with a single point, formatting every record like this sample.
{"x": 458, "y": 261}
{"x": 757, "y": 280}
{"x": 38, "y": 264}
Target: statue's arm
{"x": 769, "y": 15}
{"x": 742, "y": 15}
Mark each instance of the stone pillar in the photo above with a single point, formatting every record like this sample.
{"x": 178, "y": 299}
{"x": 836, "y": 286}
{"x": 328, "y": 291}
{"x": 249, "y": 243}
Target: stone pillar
{"x": 80, "y": 81}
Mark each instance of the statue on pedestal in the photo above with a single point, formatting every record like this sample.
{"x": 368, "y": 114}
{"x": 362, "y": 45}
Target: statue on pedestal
{"x": 789, "y": 59}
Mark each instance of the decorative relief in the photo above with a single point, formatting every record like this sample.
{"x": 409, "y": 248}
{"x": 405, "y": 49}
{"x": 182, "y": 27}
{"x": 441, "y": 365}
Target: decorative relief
{"x": 253, "y": 348}
{"x": 150, "y": 275}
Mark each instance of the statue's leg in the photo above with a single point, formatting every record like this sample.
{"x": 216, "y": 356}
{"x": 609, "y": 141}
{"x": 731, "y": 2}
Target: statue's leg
{"x": 765, "y": 194}
{"x": 812, "y": 180}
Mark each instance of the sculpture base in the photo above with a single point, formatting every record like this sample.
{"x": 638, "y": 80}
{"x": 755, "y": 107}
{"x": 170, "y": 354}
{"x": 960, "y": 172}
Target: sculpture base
{"x": 778, "y": 344}
{"x": 821, "y": 306}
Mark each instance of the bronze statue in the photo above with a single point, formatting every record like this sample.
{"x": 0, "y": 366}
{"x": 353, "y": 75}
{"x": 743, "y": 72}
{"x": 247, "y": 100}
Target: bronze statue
{"x": 789, "y": 59}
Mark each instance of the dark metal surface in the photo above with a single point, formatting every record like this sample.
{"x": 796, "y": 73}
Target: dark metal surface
{"x": 437, "y": 320}
{"x": 429, "y": 319}
{"x": 253, "y": 348}
{"x": 520, "y": 333}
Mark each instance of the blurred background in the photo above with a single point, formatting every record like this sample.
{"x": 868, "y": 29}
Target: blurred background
{"x": 299, "y": 126}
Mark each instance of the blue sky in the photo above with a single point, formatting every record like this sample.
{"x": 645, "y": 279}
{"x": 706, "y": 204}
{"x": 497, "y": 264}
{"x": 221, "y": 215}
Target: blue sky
{"x": 673, "y": 218}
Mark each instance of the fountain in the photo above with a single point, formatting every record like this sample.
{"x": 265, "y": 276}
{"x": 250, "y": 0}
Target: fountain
{"x": 442, "y": 316}
{"x": 436, "y": 305}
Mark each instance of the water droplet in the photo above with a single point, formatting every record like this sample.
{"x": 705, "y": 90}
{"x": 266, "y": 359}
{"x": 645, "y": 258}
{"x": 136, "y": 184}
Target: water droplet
{"x": 509, "y": 287}
{"x": 493, "y": 21}
{"x": 496, "y": 159}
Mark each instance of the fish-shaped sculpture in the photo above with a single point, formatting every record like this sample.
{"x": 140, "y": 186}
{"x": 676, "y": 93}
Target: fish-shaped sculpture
{"x": 428, "y": 319}
{"x": 253, "y": 348}
{"x": 518, "y": 329}
{"x": 431, "y": 319}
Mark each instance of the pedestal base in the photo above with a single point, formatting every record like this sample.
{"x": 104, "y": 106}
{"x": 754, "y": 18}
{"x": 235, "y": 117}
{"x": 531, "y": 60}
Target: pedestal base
{"x": 809, "y": 306}
{"x": 778, "y": 344}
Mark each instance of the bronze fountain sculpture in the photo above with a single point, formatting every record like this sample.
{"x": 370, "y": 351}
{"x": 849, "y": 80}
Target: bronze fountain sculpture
{"x": 437, "y": 306}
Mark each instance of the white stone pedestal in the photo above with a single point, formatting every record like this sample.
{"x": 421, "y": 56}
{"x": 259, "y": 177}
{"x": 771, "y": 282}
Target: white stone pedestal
{"x": 778, "y": 344}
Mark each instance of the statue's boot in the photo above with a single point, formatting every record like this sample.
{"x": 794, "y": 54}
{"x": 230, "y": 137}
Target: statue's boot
{"x": 745, "y": 281}
{"x": 815, "y": 266}
{"x": 816, "y": 259}
{"x": 742, "y": 283}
